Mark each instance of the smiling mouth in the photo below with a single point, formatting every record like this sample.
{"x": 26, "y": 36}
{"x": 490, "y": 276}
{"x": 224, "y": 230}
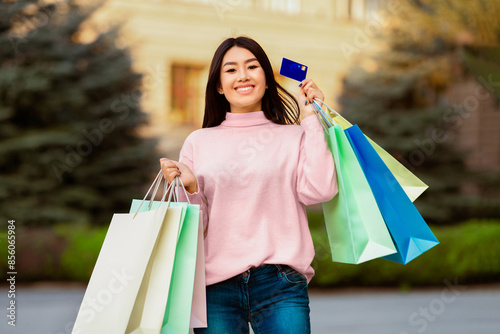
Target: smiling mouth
{"x": 245, "y": 90}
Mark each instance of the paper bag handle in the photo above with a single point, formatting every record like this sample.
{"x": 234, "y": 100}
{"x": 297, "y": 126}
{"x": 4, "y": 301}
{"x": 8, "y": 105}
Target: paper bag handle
{"x": 177, "y": 186}
{"x": 328, "y": 107}
{"x": 156, "y": 184}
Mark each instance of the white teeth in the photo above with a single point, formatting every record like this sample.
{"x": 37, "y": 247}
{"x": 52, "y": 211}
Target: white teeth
{"x": 244, "y": 89}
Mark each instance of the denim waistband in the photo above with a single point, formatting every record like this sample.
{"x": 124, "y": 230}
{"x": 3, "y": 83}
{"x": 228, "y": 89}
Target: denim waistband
{"x": 264, "y": 268}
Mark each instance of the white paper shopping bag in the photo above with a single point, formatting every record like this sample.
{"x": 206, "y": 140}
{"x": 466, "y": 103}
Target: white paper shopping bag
{"x": 149, "y": 307}
{"x": 126, "y": 291}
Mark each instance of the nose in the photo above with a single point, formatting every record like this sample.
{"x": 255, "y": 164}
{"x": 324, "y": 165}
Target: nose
{"x": 243, "y": 75}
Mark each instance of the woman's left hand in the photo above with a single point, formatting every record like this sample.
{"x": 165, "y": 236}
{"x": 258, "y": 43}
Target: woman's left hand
{"x": 308, "y": 92}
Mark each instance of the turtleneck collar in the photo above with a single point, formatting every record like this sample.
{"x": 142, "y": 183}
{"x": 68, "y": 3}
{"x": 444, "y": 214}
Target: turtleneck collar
{"x": 245, "y": 119}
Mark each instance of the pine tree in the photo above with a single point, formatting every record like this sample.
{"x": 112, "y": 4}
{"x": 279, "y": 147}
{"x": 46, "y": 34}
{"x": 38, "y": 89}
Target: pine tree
{"x": 396, "y": 95}
{"x": 69, "y": 114}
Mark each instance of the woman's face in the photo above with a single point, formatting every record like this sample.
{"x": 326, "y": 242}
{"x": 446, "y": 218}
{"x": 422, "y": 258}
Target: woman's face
{"x": 242, "y": 80}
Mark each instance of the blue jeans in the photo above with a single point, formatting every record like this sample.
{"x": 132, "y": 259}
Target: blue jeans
{"x": 273, "y": 298}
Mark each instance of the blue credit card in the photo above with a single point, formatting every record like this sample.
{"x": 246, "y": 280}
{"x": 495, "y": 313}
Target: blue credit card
{"x": 293, "y": 70}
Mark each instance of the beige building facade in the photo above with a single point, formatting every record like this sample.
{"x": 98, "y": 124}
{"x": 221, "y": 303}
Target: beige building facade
{"x": 173, "y": 41}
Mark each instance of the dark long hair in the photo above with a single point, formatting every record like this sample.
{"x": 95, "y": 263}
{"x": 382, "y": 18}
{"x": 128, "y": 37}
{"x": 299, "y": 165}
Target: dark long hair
{"x": 278, "y": 104}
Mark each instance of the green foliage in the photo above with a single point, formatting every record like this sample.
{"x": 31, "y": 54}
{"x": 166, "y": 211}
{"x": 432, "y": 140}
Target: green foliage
{"x": 390, "y": 107}
{"x": 469, "y": 252}
{"x": 485, "y": 62}
{"x": 66, "y": 252}
{"x": 398, "y": 97}
{"x": 37, "y": 254}
{"x": 69, "y": 114}
{"x": 78, "y": 259}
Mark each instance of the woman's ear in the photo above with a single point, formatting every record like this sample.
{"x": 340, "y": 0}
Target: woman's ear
{"x": 219, "y": 89}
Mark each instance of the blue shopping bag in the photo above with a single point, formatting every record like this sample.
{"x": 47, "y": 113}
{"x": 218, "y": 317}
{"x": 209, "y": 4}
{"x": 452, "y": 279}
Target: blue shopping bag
{"x": 409, "y": 231}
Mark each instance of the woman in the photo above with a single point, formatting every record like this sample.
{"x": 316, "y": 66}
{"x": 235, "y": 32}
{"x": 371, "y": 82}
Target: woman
{"x": 253, "y": 169}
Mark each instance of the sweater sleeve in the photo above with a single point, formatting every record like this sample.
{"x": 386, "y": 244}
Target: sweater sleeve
{"x": 316, "y": 174}
{"x": 186, "y": 157}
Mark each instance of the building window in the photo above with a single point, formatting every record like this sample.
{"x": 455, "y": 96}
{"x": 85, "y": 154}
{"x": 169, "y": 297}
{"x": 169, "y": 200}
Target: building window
{"x": 187, "y": 93}
{"x": 359, "y": 10}
{"x": 206, "y": 2}
{"x": 222, "y": 4}
{"x": 375, "y": 6}
{"x": 291, "y": 7}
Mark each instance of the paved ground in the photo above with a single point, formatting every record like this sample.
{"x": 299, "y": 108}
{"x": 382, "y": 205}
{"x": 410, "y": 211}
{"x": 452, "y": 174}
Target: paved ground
{"x": 450, "y": 310}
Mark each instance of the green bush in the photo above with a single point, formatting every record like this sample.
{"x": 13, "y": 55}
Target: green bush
{"x": 65, "y": 252}
{"x": 84, "y": 243}
{"x": 469, "y": 252}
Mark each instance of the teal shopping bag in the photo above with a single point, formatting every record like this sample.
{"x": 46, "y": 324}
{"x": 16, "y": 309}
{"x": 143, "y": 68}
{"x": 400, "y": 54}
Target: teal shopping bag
{"x": 356, "y": 230}
{"x": 178, "y": 312}
{"x": 408, "y": 229}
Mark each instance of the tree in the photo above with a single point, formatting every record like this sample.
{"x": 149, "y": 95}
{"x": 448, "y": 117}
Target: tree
{"x": 397, "y": 96}
{"x": 69, "y": 114}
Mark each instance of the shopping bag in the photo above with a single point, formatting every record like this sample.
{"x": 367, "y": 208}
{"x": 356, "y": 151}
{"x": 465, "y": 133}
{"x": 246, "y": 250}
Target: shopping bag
{"x": 408, "y": 229}
{"x": 199, "y": 306}
{"x": 135, "y": 244}
{"x": 355, "y": 227}
{"x": 186, "y": 305}
{"x": 149, "y": 308}
{"x": 411, "y": 184}
{"x": 178, "y": 313}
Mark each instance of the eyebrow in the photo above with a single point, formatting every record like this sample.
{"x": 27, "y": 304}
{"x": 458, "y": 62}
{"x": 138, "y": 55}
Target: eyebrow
{"x": 234, "y": 63}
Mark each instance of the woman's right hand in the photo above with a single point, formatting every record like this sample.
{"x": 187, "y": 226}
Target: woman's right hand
{"x": 171, "y": 169}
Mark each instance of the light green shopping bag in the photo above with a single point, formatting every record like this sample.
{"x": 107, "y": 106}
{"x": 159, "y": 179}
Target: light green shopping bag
{"x": 356, "y": 230}
{"x": 178, "y": 312}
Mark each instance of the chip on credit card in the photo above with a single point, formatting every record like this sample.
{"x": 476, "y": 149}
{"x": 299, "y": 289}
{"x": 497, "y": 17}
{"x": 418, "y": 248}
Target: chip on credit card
{"x": 293, "y": 70}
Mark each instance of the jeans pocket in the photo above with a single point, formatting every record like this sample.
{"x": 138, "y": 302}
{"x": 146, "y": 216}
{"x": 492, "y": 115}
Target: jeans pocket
{"x": 292, "y": 276}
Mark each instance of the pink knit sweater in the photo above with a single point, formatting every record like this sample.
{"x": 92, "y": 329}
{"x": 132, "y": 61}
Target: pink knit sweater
{"x": 255, "y": 179}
